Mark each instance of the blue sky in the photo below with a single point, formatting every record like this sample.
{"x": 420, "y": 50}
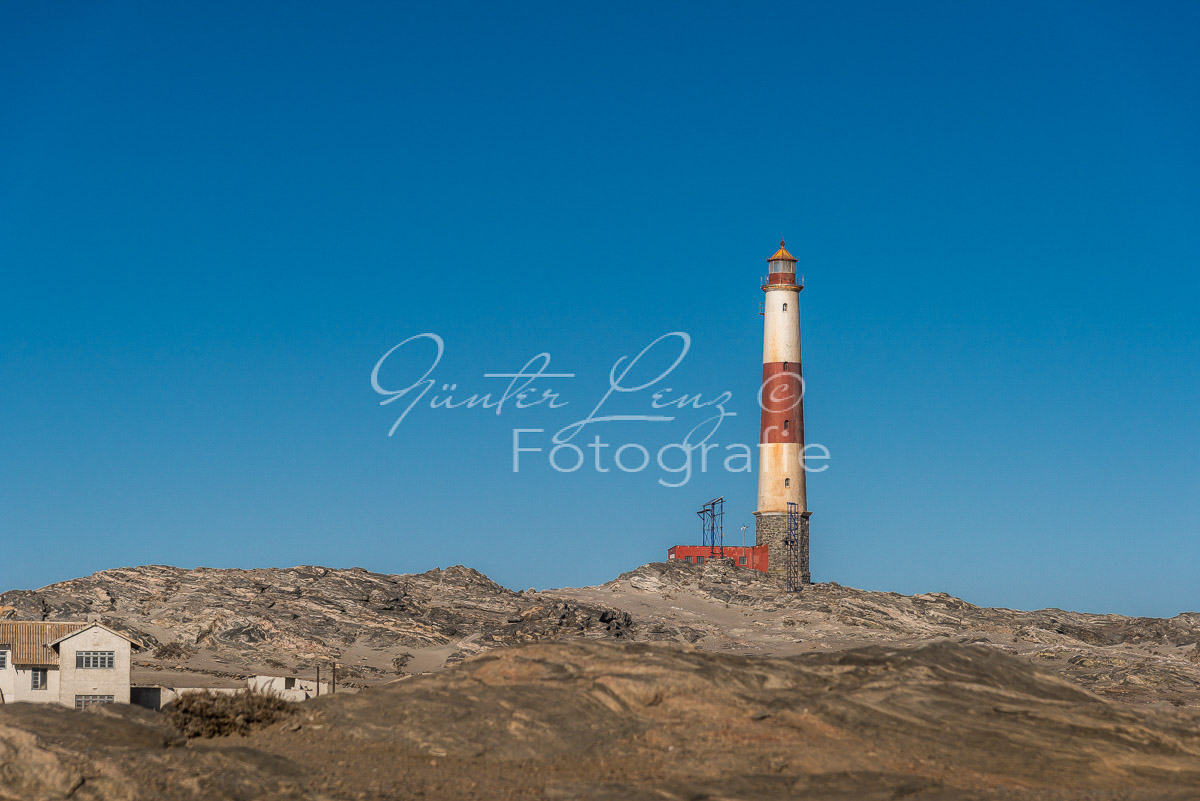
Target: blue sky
{"x": 215, "y": 219}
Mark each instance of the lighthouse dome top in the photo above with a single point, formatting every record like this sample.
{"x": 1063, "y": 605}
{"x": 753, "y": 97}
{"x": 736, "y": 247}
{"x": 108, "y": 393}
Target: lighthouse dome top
{"x": 782, "y": 254}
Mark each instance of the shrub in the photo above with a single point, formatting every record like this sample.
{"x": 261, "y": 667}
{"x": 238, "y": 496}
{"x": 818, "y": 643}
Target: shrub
{"x": 206, "y": 714}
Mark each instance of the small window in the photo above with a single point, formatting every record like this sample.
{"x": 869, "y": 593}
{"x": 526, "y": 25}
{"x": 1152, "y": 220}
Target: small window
{"x": 785, "y": 307}
{"x": 741, "y": 560}
{"x": 94, "y": 659}
{"x": 787, "y": 482}
{"x": 289, "y": 684}
{"x": 699, "y": 560}
{"x": 3, "y": 659}
{"x": 786, "y": 424}
{"x": 37, "y": 678}
{"x": 785, "y": 366}
{"x": 84, "y": 701}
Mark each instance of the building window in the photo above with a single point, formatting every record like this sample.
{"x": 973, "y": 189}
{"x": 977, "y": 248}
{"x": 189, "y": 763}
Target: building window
{"x": 787, "y": 482}
{"x": 94, "y": 659}
{"x": 3, "y": 659}
{"x": 741, "y": 560}
{"x": 37, "y": 678}
{"x": 699, "y": 560}
{"x": 786, "y": 424}
{"x": 289, "y": 684}
{"x": 785, "y": 366}
{"x": 84, "y": 701}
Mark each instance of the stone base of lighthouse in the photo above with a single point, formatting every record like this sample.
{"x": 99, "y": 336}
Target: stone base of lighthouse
{"x": 770, "y": 529}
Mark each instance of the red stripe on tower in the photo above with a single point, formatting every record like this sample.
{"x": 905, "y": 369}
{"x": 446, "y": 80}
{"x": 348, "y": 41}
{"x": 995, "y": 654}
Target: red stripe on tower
{"x": 782, "y": 403}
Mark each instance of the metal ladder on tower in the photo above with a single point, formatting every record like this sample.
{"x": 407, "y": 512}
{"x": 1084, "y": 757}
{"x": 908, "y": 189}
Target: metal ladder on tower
{"x": 791, "y": 548}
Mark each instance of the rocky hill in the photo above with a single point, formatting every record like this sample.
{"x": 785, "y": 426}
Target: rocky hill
{"x": 611, "y": 721}
{"x": 725, "y": 608}
{"x": 672, "y": 681}
{"x": 222, "y": 624}
{"x": 227, "y": 623}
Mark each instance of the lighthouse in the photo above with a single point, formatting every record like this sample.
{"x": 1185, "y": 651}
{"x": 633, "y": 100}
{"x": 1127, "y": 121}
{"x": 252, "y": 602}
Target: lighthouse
{"x": 781, "y": 522}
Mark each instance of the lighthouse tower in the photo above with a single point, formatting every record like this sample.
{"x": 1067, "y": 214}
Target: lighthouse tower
{"x": 781, "y": 522}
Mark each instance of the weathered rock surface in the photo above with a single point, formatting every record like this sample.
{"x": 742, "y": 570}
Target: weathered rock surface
{"x": 224, "y": 624}
{"x": 595, "y": 720}
{"x": 1144, "y": 660}
{"x": 651, "y": 721}
{"x": 280, "y": 621}
{"x": 122, "y": 752}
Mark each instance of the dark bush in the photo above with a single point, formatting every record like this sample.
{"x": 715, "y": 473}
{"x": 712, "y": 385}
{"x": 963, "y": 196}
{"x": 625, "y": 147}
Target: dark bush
{"x": 206, "y": 714}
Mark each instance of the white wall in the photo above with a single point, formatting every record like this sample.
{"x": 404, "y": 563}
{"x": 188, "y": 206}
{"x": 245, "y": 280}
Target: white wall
{"x": 301, "y": 690}
{"x": 777, "y": 461}
{"x": 22, "y": 687}
{"x": 112, "y": 681}
{"x": 7, "y": 679}
{"x": 170, "y": 694}
{"x": 781, "y": 329}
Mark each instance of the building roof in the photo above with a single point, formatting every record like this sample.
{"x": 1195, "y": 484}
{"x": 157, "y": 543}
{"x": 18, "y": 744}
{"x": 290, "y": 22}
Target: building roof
{"x": 31, "y": 640}
{"x": 782, "y": 254}
{"x": 736, "y": 548}
{"x": 88, "y": 626}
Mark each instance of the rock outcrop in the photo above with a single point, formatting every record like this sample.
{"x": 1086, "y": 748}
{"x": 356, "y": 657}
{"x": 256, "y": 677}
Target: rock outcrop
{"x": 594, "y": 720}
{"x": 119, "y": 752}
{"x": 726, "y": 608}
{"x": 231, "y": 622}
{"x": 225, "y": 624}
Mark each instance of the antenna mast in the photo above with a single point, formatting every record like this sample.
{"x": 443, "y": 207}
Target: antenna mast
{"x": 712, "y": 527}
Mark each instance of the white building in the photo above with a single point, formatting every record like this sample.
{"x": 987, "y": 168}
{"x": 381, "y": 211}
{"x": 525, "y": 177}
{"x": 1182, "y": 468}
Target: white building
{"x": 73, "y": 664}
{"x": 289, "y": 688}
